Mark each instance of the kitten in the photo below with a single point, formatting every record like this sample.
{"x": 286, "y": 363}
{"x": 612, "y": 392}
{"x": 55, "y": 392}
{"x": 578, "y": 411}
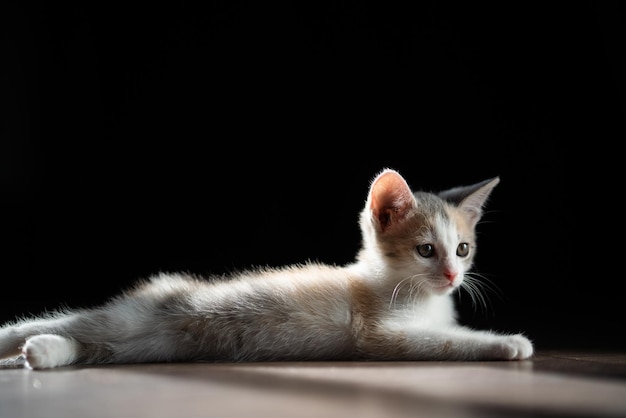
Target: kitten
{"x": 393, "y": 303}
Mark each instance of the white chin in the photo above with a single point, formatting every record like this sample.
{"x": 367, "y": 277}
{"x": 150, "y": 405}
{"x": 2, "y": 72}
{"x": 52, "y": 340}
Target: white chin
{"x": 443, "y": 290}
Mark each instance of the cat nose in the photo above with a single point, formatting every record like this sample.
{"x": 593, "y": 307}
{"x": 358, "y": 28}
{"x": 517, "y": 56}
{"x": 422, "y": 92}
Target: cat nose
{"x": 450, "y": 274}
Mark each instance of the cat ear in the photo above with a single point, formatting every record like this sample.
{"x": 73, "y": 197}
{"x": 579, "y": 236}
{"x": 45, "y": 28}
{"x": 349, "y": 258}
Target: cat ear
{"x": 471, "y": 199}
{"x": 390, "y": 198}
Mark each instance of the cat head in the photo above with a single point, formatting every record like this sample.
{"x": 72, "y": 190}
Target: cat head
{"x": 427, "y": 239}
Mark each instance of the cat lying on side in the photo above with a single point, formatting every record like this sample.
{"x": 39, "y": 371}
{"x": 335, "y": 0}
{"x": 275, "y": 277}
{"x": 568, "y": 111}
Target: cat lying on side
{"x": 394, "y": 302}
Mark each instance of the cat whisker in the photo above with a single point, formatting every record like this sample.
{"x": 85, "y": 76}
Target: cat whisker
{"x": 477, "y": 286}
{"x": 474, "y": 291}
{"x": 413, "y": 287}
{"x": 486, "y": 283}
{"x": 396, "y": 290}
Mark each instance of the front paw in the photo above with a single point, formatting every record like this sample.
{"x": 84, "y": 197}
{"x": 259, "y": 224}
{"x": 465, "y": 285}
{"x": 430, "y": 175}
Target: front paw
{"x": 511, "y": 347}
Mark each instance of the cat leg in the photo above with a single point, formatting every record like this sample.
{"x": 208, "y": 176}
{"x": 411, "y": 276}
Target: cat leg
{"x": 31, "y": 338}
{"x": 48, "y": 350}
{"x": 456, "y": 343}
{"x": 466, "y": 344}
{"x": 487, "y": 346}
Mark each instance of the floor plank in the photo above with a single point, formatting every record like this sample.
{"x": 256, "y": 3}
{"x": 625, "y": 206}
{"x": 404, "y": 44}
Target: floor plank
{"x": 553, "y": 383}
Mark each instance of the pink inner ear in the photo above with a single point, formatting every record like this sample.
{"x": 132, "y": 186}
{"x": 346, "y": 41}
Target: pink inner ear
{"x": 391, "y": 197}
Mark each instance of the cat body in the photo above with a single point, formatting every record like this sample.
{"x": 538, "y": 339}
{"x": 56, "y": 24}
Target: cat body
{"x": 394, "y": 302}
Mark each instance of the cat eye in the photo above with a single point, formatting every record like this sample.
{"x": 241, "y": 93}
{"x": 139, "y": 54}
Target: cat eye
{"x": 426, "y": 250}
{"x": 463, "y": 249}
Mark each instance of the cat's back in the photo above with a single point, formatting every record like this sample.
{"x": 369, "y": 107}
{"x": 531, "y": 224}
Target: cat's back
{"x": 310, "y": 281}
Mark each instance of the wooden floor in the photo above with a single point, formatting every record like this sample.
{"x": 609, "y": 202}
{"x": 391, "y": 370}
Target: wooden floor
{"x": 553, "y": 384}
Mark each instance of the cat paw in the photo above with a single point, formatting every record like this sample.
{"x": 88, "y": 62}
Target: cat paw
{"x": 513, "y": 347}
{"x": 46, "y": 351}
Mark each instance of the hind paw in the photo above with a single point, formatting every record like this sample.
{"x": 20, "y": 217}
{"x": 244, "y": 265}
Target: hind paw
{"x": 46, "y": 351}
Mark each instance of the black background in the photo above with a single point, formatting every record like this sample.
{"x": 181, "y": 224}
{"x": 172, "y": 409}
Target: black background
{"x": 211, "y": 137}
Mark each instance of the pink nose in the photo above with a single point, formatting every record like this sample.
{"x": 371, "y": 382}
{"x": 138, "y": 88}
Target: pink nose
{"x": 451, "y": 274}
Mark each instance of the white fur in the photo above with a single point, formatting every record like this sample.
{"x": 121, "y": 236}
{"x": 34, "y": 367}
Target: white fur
{"x": 46, "y": 351}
